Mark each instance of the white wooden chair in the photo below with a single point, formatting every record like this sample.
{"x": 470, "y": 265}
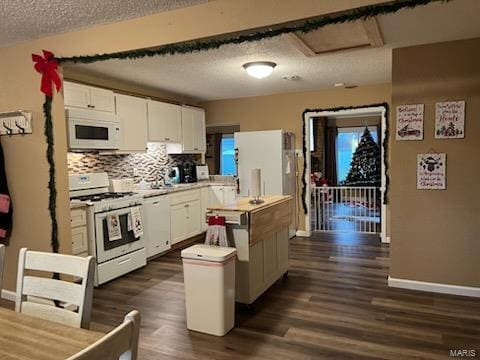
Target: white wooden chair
{"x": 2, "y": 265}
{"x": 121, "y": 343}
{"x": 34, "y": 287}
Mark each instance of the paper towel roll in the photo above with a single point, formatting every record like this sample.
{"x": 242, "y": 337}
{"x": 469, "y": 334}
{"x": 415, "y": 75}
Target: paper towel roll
{"x": 256, "y": 188}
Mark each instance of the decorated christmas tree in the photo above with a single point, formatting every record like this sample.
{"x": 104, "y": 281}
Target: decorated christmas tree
{"x": 365, "y": 165}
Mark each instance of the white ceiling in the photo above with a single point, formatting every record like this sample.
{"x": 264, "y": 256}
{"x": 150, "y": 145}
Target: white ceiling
{"x": 23, "y": 20}
{"x": 218, "y": 74}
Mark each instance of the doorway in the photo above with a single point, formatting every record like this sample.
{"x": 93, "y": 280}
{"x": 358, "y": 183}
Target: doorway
{"x": 345, "y": 174}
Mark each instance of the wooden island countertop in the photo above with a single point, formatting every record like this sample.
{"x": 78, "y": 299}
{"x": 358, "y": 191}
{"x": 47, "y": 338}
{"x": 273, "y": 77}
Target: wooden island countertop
{"x": 243, "y": 204}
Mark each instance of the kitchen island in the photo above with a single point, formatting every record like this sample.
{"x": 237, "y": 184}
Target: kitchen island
{"x": 260, "y": 235}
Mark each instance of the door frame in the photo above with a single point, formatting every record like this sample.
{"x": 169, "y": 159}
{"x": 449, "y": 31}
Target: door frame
{"x": 380, "y": 109}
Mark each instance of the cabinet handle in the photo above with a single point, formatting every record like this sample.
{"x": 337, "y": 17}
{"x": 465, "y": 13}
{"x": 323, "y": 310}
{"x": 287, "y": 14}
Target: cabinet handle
{"x": 167, "y": 139}
{"x": 93, "y": 106}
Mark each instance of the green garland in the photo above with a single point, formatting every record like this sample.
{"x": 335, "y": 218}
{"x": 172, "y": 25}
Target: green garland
{"x": 196, "y": 46}
{"x": 52, "y": 201}
{"x": 385, "y": 149}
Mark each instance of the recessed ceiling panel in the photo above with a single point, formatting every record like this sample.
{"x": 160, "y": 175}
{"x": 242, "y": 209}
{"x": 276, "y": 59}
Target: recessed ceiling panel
{"x": 351, "y": 35}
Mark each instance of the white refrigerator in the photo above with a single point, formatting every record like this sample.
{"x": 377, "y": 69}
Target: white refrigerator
{"x": 273, "y": 152}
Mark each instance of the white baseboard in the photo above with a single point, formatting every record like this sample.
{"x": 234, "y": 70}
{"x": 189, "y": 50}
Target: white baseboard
{"x": 434, "y": 287}
{"x": 303, "y": 233}
{"x": 8, "y": 295}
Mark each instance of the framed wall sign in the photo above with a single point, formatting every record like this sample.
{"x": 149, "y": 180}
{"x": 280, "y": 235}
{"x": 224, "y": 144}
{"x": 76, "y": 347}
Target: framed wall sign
{"x": 431, "y": 171}
{"x": 450, "y": 120}
{"x": 409, "y": 122}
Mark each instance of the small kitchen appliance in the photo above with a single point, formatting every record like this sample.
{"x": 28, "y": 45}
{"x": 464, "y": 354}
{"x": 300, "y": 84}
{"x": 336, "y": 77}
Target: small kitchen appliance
{"x": 172, "y": 176}
{"x": 188, "y": 173}
{"x": 92, "y": 130}
{"x": 202, "y": 172}
{"x": 114, "y": 256}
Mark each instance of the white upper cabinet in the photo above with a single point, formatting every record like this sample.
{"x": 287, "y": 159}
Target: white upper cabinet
{"x": 132, "y": 112}
{"x": 88, "y": 97}
{"x": 164, "y": 122}
{"x": 193, "y": 130}
{"x": 102, "y": 99}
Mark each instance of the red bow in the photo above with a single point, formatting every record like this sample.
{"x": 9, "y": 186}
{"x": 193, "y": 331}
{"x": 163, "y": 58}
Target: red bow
{"x": 47, "y": 66}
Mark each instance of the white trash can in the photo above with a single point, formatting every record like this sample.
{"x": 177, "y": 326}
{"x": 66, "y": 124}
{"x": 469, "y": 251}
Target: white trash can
{"x": 209, "y": 276}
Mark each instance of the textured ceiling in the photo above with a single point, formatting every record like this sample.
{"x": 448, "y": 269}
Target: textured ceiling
{"x": 218, "y": 74}
{"x": 23, "y": 20}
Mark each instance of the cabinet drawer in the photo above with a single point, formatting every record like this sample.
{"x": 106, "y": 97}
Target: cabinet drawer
{"x": 123, "y": 264}
{"x": 78, "y": 217}
{"x": 184, "y": 196}
{"x": 79, "y": 240}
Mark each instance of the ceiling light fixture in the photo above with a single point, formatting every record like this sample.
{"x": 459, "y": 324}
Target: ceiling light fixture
{"x": 259, "y": 69}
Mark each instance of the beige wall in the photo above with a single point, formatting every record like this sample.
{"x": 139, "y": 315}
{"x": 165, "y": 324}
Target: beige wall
{"x": 435, "y": 234}
{"x": 284, "y": 111}
{"x": 26, "y": 164}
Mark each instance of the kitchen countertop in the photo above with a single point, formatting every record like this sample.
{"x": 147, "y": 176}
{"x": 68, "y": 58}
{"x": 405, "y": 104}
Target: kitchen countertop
{"x": 77, "y": 204}
{"x": 181, "y": 187}
{"x": 147, "y": 193}
{"x": 243, "y": 204}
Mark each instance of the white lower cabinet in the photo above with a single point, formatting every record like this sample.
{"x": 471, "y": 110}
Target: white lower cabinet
{"x": 185, "y": 215}
{"x": 170, "y": 219}
{"x": 222, "y": 194}
{"x": 178, "y": 221}
{"x": 229, "y": 194}
{"x": 78, "y": 222}
{"x": 205, "y": 202}
{"x": 194, "y": 226}
{"x": 156, "y": 212}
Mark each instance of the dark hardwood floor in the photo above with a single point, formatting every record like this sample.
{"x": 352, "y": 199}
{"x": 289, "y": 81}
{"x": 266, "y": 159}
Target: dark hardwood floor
{"x": 335, "y": 304}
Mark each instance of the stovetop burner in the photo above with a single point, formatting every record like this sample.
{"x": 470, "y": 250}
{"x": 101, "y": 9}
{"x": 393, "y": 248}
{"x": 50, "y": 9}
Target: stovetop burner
{"x": 103, "y": 196}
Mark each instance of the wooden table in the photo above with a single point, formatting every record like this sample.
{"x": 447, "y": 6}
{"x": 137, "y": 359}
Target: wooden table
{"x": 27, "y": 337}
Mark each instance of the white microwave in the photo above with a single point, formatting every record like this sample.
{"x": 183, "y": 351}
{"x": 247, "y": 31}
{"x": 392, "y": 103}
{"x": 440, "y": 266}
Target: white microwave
{"x": 92, "y": 130}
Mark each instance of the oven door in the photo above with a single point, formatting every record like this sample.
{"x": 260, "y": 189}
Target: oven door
{"x": 106, "y": 249}
{"x": 85, "y": 134}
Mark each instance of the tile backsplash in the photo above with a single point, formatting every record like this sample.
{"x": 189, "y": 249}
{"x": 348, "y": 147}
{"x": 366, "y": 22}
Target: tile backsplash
{"x": 150, "y": 166}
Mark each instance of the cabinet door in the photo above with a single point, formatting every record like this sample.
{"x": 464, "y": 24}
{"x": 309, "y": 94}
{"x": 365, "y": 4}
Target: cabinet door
{"x": 194, "y": 211}
{"x": 178, "y": 223}
{"x": 132, "y": 112}
{"x": 270, "y": 257}
{"x": 216, "y": 195}
{"x": 76, "y": 95}
{"x": 205, "y": 201}
{"x": 164, "y": 122}
{"x": 282, "y": 250}
{"x": 79, "y": 240}
{"x": 188, "y": 135}
{"x": 199, "y": 140}
{"x": 102, "y": 99}
{"x": 229, "y": 194}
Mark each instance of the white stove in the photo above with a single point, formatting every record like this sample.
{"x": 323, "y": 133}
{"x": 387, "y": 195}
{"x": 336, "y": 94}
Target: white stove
{"x": 114, "y": 257}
